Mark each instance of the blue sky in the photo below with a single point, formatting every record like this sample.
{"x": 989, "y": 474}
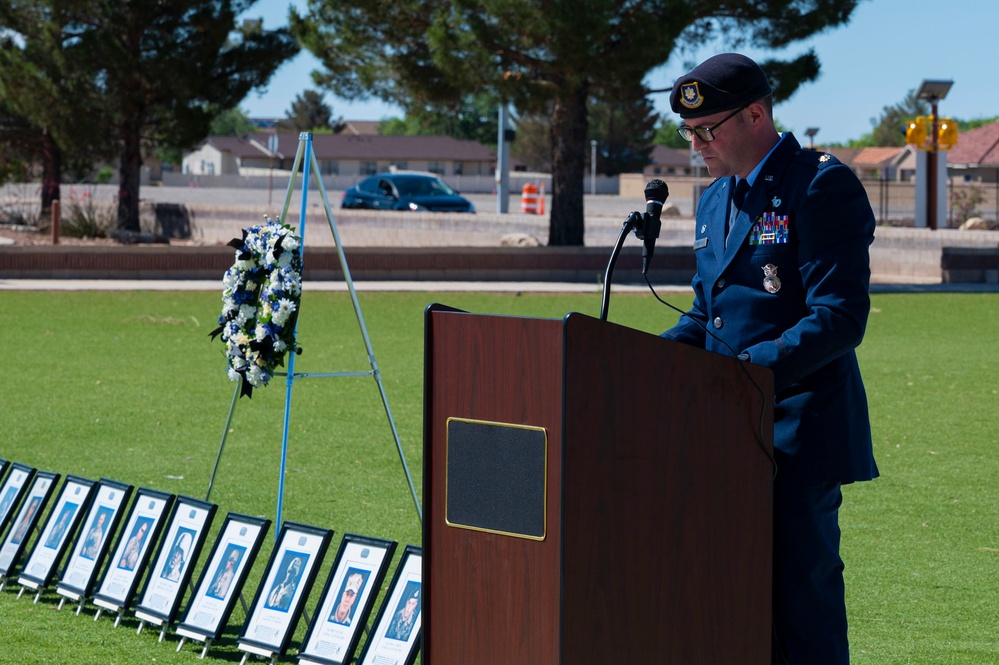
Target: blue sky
{"x": 888, "y": 48}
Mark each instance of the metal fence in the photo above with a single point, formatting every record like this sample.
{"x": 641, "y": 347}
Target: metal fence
{"x": 894, "y": 202}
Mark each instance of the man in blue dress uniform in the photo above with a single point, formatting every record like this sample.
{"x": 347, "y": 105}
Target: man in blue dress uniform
{"x": 783, "y": 273}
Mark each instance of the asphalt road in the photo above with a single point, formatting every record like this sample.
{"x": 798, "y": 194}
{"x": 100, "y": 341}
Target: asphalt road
{"x": 598, "y": 205}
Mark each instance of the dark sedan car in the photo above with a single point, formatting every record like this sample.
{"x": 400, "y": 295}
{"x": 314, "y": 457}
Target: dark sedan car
{"x": 405, "y": 191}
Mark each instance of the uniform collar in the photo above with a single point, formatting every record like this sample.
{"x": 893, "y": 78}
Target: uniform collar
{"x": 759, "y": 167}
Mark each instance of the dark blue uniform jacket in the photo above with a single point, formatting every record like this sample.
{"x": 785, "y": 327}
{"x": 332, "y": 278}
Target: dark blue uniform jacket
{"x": 809, "y": 219}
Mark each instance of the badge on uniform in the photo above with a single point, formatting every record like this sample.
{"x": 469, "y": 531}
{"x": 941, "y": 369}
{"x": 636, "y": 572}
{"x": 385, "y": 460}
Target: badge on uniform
{"x": 770, "y": 229}
{"x": 771, "y": 282}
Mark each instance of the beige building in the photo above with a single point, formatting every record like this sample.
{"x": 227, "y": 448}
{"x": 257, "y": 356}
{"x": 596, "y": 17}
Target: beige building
{"x": 348, "y": 154}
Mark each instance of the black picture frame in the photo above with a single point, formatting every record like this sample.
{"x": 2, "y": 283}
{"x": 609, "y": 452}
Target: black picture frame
{"x": 330, "y": 640}
{"x": 221, "y": 580}
{"x": 131, "y": 553}
{"x": 38, "y": 492}
{"x": 173, "y": 566}
{"x": 79, "y": 575}
{"x": 53, "y": 541}
{"x": 283, "y": 589}
{"x": 395, "y": 636}
{"x": 14, "y": 486}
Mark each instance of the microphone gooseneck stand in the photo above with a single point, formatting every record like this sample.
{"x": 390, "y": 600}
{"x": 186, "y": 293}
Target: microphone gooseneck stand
{"x": 634, "y": 221}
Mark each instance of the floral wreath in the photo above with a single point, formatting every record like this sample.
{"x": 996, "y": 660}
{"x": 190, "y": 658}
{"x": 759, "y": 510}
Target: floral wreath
{"x": 261, "y": 294}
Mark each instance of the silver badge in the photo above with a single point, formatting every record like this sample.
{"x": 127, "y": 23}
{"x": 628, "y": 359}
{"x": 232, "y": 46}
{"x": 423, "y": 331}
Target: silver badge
{"x": 776, "y": 202}
{"x": 770, "y": 280}
{"x": 704, "y": 227}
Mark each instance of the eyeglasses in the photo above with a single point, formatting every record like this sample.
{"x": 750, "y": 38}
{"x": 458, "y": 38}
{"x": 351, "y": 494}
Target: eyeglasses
{"x": 706, "y": 134}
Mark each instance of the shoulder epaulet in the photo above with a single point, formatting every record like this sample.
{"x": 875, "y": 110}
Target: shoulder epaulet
{"x": 815, "y": 158}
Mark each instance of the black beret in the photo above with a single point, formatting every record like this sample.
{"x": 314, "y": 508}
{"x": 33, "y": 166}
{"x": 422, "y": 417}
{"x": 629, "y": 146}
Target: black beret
{"x": 723, "y": 82}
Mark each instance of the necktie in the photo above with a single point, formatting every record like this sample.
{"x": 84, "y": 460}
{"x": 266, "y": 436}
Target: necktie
{"x": 738, "y": 198}
{"x": 739, "y": 195}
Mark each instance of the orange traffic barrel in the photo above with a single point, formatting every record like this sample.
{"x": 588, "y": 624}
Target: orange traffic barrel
{"x": 529, "y": 199}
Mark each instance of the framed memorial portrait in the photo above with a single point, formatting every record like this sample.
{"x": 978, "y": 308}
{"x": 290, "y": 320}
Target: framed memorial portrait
{"x": 223, "y": 577}
{"x": 395, "y": 637}
{"x": 92, "y": 543}
{"x": 133, "y": 549}
{"x": 184, "y": 535}
{"x": 61, "y": 524}
{"x": 38, "y": 492}
{"x": 283, "y": 590}
{"x": 347, "y": 600}
{"x": 13, "y": 488}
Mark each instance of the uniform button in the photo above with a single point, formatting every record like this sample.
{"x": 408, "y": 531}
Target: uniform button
{"x": 718, "y": 323}
{"x": 721, "y": 283}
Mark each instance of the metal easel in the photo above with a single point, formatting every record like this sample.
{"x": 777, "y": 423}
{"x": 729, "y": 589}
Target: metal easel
{"x": 306, "y": 158}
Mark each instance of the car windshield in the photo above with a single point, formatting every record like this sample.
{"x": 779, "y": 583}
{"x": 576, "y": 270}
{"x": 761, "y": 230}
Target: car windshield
{"x": 419, "y": 186}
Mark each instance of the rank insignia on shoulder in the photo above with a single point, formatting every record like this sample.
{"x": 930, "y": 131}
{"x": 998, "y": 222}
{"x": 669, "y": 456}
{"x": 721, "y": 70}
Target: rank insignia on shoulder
{"x": 770, "y": 229}
{"x": 825, "y": 158}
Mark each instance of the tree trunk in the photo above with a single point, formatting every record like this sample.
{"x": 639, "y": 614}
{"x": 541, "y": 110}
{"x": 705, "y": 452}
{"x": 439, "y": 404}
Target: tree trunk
{"x": 51, "y": 173}
{"x": 568, "y": 133}
{"x": 129, "y": 170}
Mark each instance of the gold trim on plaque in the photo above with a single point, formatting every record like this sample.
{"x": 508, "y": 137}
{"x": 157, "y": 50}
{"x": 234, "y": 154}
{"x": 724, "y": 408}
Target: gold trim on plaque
{"x": 544, "y": 480}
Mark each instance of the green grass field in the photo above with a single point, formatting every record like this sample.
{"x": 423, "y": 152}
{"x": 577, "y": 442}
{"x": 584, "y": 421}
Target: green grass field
{"x": 128, "y": 386}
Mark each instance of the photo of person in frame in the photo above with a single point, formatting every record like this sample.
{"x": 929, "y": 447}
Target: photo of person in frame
{"x": 22, "y": 526}
{"x": 406, "y": 614}
{"x": 133, "y": 548}
{"x": 95, "y": 534}
{"x": 8, "y": 499}
{"x": 350, "y": 590}
{"x": 226, "y": 572}
{"x": 59, "y": 530}
{"x": 283, "y": 590}
{"x": 180, "y": 551}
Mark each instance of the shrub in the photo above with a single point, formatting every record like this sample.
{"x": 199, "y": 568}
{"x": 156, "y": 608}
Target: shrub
{"x": 964, "y": 203}
{"x": 86, "y": 217}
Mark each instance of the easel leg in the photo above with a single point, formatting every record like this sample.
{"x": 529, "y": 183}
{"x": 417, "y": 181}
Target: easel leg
{"x": 225, "y": 433}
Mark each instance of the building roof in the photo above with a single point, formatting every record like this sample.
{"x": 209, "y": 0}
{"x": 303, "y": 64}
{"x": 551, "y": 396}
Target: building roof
{"x": 361, "y": 127}
{"x": 877, "y": 156}
{"x": 976, "y": 147}
{"x": 359, "y": 147}
{"x": 663, "y": 156}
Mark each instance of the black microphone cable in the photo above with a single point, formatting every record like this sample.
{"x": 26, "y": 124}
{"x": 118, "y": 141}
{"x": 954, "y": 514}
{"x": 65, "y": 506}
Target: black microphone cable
{"x": 761, "y": 438}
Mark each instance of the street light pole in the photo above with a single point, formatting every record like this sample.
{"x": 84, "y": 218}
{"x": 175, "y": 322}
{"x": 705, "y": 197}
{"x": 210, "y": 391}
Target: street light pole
{"x": 933, "y": 92}
{"x": 810, "y": 133}
{"x": 931, "y": 171}
{"x": 593, "y": 166}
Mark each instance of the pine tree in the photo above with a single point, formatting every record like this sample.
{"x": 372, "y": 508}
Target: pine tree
{"x": 542, "y": 57}
{"x": 131, "y": 75}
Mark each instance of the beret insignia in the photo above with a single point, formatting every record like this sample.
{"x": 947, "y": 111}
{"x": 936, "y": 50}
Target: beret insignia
{"x": 690, "y": 95}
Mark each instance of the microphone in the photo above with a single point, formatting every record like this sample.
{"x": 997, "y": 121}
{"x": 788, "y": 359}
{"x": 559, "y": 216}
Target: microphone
{"x": 656, "y": 193}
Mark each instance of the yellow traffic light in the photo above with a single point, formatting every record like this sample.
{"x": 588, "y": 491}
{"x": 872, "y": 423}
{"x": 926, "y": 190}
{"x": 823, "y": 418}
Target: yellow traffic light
{"x": 946, "y": 134}
{"x": 916, "y": 131}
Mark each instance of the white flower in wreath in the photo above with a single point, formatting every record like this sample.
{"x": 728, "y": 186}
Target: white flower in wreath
{"x": 285, "y": 308}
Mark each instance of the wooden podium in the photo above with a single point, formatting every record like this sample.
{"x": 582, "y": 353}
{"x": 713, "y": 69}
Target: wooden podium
{"x": 592, "y": 494}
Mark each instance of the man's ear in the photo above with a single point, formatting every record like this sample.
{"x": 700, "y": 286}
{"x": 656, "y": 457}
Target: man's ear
{"x": 757, "y": 113}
